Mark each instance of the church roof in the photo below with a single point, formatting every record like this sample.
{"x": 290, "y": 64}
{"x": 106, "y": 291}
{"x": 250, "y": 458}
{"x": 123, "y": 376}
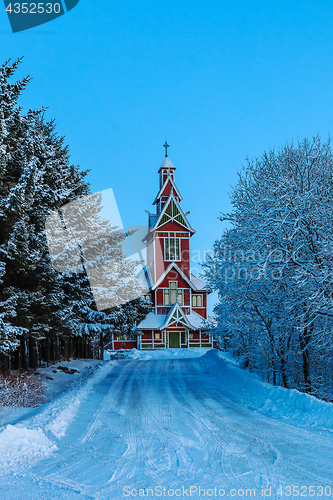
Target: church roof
{"x": 144, "y": 279}
{"x": 167, "y": 164}
{"x": 198, "y": 283}
{"x": 152, "y": 321}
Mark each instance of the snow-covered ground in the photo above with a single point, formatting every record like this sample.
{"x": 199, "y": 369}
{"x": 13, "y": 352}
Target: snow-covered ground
{"x": 54, "y": 381}
{"x": 165, "y": 424}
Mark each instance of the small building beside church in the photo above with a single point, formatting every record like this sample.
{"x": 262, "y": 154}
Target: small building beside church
{"x": 179, "y": 298}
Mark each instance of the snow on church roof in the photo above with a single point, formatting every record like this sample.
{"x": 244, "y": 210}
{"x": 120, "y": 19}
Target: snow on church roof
{"x": 198, "y": 283}
{"x": 167, "y": 164}
{"x": 153, "y": 321}
{"x": 196, "y": 320}
{"x": 156, "y": 321}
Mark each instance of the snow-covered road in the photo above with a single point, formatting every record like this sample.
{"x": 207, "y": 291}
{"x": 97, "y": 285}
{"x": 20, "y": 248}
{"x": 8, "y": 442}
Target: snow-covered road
{"x": 163, "y": 423}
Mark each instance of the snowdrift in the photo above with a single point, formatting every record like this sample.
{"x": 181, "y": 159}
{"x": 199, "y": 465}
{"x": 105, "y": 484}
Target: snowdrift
{"x": 19, "y": 445}
{"x": 247, "y": 389}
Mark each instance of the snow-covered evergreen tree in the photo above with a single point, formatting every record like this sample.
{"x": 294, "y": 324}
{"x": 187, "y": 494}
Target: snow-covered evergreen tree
{"x": 8, "y": 333}
{"x": 36, "y": 180}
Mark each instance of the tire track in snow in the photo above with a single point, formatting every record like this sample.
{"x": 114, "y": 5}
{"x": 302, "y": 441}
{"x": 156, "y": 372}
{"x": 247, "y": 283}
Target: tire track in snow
{"x": 136, "y": 423}
{"x": 211, "y": 437}
{"x": 168, "y": 421}
{"x": 80, "y": 455}
{"x": 108, "y": 404}
{"x": 235, "y": 458}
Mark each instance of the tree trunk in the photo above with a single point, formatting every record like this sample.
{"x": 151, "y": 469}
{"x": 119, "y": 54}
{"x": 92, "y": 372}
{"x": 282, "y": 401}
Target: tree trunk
{"x": 101, "y": 346}
{"x": 25, "y": 352}
{"x": 304, "y": 339}
{"x": 33, "y": 354}
{"x": 47, "y": 352}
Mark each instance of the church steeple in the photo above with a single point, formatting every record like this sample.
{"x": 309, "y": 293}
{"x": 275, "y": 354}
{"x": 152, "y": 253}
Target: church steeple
{"x": 169, "y": 229}
{"x": 167, "y": 185}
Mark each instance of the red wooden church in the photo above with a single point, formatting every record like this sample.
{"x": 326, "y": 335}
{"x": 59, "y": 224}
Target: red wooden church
{"x": 179, "y": 298}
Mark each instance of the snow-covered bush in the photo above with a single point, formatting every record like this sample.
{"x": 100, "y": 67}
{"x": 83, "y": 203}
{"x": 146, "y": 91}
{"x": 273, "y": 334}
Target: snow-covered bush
{"x": 21, "y": 390}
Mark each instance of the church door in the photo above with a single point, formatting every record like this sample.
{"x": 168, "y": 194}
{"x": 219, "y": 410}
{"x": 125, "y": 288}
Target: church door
{"x": 174, "y": 340}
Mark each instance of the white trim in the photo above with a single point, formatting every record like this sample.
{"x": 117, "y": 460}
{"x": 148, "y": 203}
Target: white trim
{"x": 169, "y": 178}
{"x": 175, "y": 307}
{"x": 172, "y": 198}
{"x": 165, "y": 273}
{"x": 154, "y": 256}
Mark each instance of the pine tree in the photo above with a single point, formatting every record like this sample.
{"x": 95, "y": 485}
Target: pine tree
{"x": 37, "y": 180}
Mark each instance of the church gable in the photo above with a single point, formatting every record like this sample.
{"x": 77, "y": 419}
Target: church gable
{"x": 173, "y": 273}
{"x": 173, "y": 213}
{"x": 168, "y": 188}
{"x": 176, "y": 317}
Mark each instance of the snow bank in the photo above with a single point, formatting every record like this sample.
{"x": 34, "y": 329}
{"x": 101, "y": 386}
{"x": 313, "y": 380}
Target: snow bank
{"x": 247, "y": 389}
{"x": 159, "y": 354}
{"x": 20, "y": 445}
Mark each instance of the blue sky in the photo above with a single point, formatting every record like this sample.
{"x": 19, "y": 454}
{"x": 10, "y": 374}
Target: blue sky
{"x": 221, "y": 80}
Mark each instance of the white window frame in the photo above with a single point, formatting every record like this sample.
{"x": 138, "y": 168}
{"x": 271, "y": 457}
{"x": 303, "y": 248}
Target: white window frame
{"x": 172, "y": 254}
{"x": 173, "y": 294}
{"x": 195, "y": 298}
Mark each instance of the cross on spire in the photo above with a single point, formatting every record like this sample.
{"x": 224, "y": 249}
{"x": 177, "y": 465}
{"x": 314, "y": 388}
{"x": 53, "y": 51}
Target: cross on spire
{"x": 166, "y": 146}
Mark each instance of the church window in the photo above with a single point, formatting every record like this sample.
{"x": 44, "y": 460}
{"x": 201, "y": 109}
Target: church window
{"x": 173, "y": 291}
{"x": 125, "y": 336}
{"x": 166, "y": 300}
{"x": 196, "y": 300}
{"x": 172, "y": 294}
{"x": 172, "y": 249}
